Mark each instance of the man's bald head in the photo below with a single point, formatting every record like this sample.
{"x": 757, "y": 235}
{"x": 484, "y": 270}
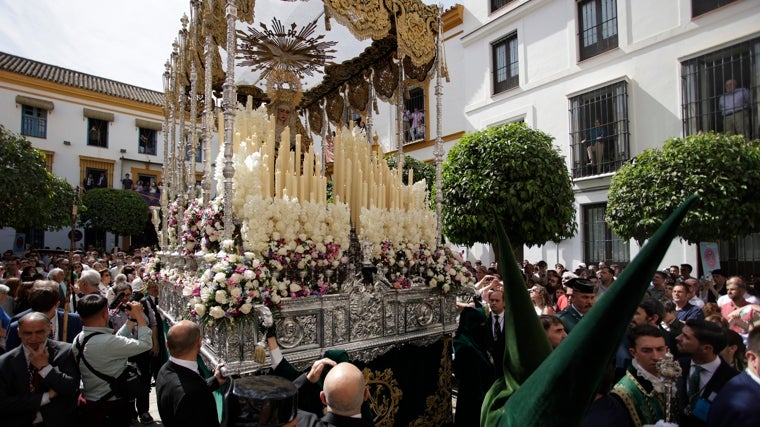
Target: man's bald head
{"x": 344, "y": 389}
{"x": 182, "y": 340}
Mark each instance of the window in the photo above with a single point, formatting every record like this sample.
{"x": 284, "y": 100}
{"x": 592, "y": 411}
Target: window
{"x": 35, "y": 237}
{"x": 597, "y": 20}
{"x": 414, "y": 115}
{"x": 92, "y": 169}
{"x": 741, "y": 255}
{"x": 600, "y": 243}
{"x": 97, "y": 132}
{"x": 720, "y": 91}
{"x": 506, "y": 73}
{"x": 700, "y": 7}
{"x": 146, "y": 143}
{"x": 600, "y": 135}
{"x": 33, "y": 121}
{"x": 498, "y": 4}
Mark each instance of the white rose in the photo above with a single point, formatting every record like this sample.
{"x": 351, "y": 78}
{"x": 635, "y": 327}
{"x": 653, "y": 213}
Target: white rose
{"x": 295, "y": 287}
{"x": 236, "y": 292}
{"x": 209, "y": 258}
{"x": 200, "y": 309}
{"x": 446, "y": 287}
{"x": 249, "y": 255}
{"x": 249, "y": 275}
{"x": 216, "y": 312}
{"x": 246, "y": 308}
{"x": 220, "y": 297}
{"x": 299, "y": 249}
{"x": 236, "y": 277}
{"x": 187, "y": 291}
{"x": 220, "y": 277}
{"x": 433, "y": 283}
{"x": 276, "y": 298}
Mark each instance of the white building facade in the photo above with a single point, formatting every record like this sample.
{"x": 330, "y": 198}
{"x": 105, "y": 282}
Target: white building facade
{"x": 628, "y": 74}
{"x": 86, "y": 126}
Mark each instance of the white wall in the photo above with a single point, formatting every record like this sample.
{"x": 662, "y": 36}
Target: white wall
{"x": 651, "y": 47}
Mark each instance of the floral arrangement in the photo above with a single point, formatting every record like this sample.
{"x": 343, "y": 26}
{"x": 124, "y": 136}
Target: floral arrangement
{"x": 440, "y": 268}
{"x": 229, "y": 287}
{"x": 191, "y": 228}
{"x": 212, "y": 225}
{"x": 172, "y": 222}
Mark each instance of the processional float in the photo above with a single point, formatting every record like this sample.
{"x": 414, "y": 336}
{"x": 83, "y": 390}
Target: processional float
{"x": 364, "y": 271}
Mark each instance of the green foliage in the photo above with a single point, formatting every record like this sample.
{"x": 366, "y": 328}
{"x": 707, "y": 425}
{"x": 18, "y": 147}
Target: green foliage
{"x": 723, "y": 170}
{"x": 511, "y": 173}
{"x": 121, "y": 212}
{"x": 32, "y": 196}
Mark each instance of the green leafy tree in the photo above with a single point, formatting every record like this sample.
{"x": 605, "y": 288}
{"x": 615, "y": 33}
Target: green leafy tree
{"x": 511, "y": 173}
{"x": 32, "y": 196}
{"x": 117, "y": 211}
{"x": 723, "y": 170}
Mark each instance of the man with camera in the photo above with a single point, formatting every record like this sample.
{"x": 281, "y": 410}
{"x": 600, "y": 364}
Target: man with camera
{"x": 107, "y": 354}
{"x": 119, "y": 313}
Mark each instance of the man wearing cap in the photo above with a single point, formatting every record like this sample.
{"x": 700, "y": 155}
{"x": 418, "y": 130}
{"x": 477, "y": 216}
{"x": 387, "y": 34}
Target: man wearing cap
{"x": 184, "y": 397}
{"x": 581, "y": 302}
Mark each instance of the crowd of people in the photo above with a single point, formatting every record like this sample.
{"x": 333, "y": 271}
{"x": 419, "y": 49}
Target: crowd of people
{"x": 65, "y": 342}
{"x": 709, "y": 326}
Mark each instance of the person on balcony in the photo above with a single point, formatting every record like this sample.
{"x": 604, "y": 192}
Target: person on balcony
{"x": 595, "y": 144}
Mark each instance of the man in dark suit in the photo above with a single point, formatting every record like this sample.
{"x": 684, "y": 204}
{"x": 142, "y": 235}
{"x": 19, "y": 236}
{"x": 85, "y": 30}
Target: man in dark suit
{"x": 738, "y": 405}
{"x": 184, "y": 397}
{"x": 39, "y": 379}
{"x": 704, "y": 372}
{"x": 343, "y": 394}
{"x": 496, "y": 324}
{"x": 44, "y": 298}
{"x": 157, "y": 360}
{"x": 581, "y": 300}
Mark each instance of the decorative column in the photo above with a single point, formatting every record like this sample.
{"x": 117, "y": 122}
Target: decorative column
{"x": 400, "y": 113}
{"x": 170, "y": 177}
{"x": 192, "y": 54}
{"x": 229, "y": 117}
{"x": 370, "y": 118}
{"x": 168, "y": 112}
{"x": 438, "y": 152}
{"x": 181, "y": 184}
{"x": 208, "y": 114}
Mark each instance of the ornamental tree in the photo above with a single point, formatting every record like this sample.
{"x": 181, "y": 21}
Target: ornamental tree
{"x": 121, "y": 212}
{"x": 510, "y": 173}
{"x": 723, "y": 170}
{"x": 32, "y": 196}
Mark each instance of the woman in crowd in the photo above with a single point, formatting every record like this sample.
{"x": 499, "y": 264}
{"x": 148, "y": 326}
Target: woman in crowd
{"x": 541, "y": 301}
{"x": 21, "y": 300}
{"x": 733, "y": 354}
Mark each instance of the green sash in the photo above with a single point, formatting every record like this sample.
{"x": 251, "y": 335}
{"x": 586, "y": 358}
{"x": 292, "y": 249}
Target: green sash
{"x": 644, "y": 407}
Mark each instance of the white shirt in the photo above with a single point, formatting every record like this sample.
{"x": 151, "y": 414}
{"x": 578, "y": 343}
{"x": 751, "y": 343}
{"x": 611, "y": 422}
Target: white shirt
{"x": 708, "y": 370}
{"x": 189, "y": 364}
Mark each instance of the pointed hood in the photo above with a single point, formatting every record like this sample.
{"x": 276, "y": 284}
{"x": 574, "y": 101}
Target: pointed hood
{"x": 558, "y": 391}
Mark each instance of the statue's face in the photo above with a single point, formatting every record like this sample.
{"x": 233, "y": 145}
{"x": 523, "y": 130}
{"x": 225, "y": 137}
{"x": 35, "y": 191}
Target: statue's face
{"x": 282, "y": 114}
